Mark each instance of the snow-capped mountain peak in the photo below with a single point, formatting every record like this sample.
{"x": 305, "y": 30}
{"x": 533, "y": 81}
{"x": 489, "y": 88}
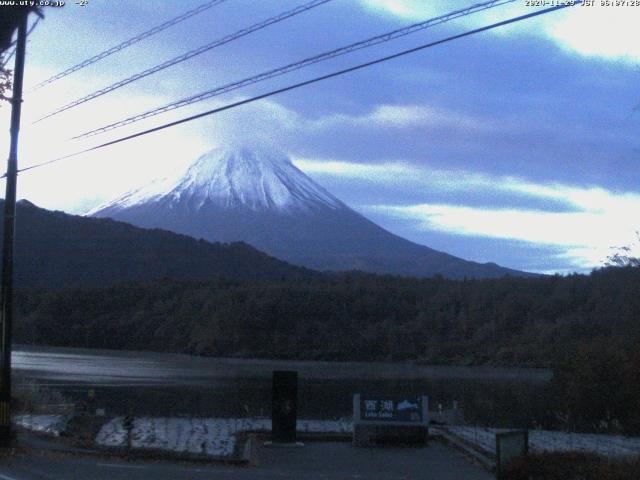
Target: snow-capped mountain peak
{"x": 257, "y": 196}
{"x": 256, "y": 179}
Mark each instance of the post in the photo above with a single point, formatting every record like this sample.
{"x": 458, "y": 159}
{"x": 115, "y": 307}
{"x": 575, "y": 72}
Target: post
{"x": 284, "y": 411}
{"x": 6, "y": 312}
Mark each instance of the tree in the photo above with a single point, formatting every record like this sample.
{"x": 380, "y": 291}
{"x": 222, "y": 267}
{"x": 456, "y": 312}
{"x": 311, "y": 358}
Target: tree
{"x": 590, "y": 386}
{"x": 623, "y": 257}
{"x": 5, "y": 81}
{"x": 9, "y": 20}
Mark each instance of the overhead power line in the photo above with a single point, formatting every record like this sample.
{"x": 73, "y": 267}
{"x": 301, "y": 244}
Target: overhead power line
{"x": 401, "y": 32}
{"x": 190, "y": 54}
{"x": 302, "y": 84}
{"x": 128, "y": 43}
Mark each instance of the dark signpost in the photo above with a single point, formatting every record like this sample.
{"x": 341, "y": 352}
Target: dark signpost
{"x": 284, "y": 412}
{"x": 390, "y": 419}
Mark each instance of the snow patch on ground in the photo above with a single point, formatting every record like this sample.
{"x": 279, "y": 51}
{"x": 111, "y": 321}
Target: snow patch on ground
{"x": 553, "y": 441}
{"x": 51, "y": 424}
{"x": 112, "y": 434}
{"x": 214, "y": 437}
{"x": 199, "y": 436}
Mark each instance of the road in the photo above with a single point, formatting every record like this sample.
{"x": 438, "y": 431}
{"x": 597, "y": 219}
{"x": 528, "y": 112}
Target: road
{"x": 314, "y": 461}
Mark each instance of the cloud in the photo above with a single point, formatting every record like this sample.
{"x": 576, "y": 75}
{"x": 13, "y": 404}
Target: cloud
{"x": 268, "y": 121}
{"x": 442, "y": 180}
{"x": 594, "y": 220}
{"x": 420, "y": 10}
{"x": 607, "y": 31}
{"x": 407, "y": 9}
{"x": 587, "y": 236}
{"x": 407, "y": 116}
{"x": 390, "y": 172}
{"x": 601, "y": 31}
{"x": 402, "y": 176}
{"x": 80, "y": 182}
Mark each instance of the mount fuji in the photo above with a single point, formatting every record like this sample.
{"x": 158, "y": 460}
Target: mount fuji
{"x": 260, "y": 197}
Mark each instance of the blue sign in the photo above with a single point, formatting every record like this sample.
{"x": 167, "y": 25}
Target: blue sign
{"x": 391, "y": 409}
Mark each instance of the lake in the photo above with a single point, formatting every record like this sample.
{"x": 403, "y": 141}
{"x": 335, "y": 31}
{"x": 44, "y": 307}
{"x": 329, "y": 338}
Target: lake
{"x": 148, "y": 383}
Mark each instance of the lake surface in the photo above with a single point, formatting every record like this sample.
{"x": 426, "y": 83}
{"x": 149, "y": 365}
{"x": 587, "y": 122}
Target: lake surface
{"x": 147, "y": 383}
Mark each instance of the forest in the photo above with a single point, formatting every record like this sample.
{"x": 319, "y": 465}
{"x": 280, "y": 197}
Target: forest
{"x": 584, "y": 327}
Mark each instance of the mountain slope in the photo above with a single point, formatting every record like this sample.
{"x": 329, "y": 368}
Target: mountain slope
{"x": 261, "y": 198}
{"x": 54, "y": 249}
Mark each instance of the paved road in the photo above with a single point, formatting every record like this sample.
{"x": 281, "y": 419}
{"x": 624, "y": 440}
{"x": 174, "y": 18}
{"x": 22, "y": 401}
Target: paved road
{"x": 315, "y": 461}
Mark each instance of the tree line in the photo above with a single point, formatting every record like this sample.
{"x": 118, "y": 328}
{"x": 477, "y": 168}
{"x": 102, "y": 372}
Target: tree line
{"x": 585, "y": 327}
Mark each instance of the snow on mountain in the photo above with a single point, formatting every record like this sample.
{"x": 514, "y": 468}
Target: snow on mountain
{"x": 254, "y": 179}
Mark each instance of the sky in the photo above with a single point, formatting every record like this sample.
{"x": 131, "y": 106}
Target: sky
{"x": 517, "y": 146}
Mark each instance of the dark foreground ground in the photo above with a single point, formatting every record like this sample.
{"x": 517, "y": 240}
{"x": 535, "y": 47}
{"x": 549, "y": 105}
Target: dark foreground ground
{"x": 314, "y": 461}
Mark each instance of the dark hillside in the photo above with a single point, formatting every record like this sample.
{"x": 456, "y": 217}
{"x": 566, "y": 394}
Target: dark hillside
{"x": 54, "y": 249}
{"x": 509, "y": 321}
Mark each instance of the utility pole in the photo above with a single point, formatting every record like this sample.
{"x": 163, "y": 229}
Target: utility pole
{"x": 6, "y": 312}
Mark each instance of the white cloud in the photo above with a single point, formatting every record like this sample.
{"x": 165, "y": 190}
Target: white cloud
{"x": 407, "y": 116}
{"x": 77, "y": 183}
{"x": 602, "y": 31}
{"x": 586, "y": 236}
{"x": 598, "y": 219}
{"x": 408, "y": 9}
{"x": 408, "y": 176}
{"x": 374, "y": 172}
{"x": 580, "y": 228}
{"x": 606, "y": 31}
{"x": 421, "y": 10}
{"x": 74, "y": 184}
{"x": 433, "y": 179}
